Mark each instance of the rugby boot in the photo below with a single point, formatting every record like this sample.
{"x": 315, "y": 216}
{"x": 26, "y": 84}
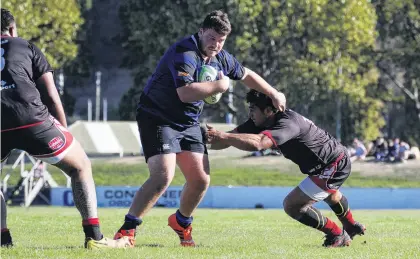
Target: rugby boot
{"x": 337, "y": 240}
{"x": 130, "y": 234}
{"x": 6, "y": 239}
{"x": 183, "y": 233}
{"x": 356, "y": 229}
{"x": 105, "y": 242}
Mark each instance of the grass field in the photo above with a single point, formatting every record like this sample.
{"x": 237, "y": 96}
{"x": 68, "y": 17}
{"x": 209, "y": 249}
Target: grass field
{"x": 238, "y": 171}
{"x": 47, "y": 232}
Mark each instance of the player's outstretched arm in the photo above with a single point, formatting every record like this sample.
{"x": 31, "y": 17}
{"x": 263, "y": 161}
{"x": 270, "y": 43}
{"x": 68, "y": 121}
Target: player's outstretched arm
{"x": 50, "y": 97}
{"x": 243, "y": 141}
{"x": 256, "y": 82}
{"x": 216, "y": 144}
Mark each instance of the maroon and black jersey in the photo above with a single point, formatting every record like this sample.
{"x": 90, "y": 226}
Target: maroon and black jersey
{"x": 300, "y": 140}
{"x": 22, "y": 63}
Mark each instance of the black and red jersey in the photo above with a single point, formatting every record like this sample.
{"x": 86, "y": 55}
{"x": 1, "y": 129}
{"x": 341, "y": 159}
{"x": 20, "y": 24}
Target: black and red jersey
{"x": 300, "y": 140}
{"x": 22, "y": 64}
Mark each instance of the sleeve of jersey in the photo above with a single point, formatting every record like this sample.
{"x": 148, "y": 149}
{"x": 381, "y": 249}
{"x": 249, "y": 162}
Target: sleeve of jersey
{"x": 284, "y": 131}
{"x": 183, "y": 69}
{"x": 40, "y": 64}
{"x": 248, "y": 127}
{"x": 235, "y": 70}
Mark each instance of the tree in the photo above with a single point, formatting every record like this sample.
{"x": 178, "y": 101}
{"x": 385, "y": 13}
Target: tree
{"x": 317, "y": 52}
{"x": 399, "y": 62}
{"x": 50, "y": 24}
{"x": 145, "y": 44}
{"x": 299, "y": 46}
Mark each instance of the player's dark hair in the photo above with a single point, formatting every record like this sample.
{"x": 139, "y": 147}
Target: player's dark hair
{"x": 218, "y": 21}
{"x": 260, "y": 100}
{"x": 7, "y": 20}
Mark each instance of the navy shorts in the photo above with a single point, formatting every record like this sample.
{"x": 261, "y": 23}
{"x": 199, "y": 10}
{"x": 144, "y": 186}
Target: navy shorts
{"x": 158, "y": 137}
{"x": 48, "y": 141}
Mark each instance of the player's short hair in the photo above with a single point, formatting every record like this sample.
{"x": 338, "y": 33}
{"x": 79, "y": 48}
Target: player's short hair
{"x": 7, "y": 20}
{"x": 260, "y": 100}
{"x": 218, "y": 21}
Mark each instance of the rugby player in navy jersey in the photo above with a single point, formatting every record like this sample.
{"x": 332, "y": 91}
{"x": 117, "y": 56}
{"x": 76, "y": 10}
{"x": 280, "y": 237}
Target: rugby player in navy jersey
{"x": 315, "y": 151}
{"x": 33, "y": 119}
{"x": 168, "y": 120}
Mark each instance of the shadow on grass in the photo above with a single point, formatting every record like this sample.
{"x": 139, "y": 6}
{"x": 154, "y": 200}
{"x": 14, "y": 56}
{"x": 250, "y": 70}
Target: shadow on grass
{"x": 161, "y": 246}
{"x": 152, "y": 245}
{"x": 51, "y": 247}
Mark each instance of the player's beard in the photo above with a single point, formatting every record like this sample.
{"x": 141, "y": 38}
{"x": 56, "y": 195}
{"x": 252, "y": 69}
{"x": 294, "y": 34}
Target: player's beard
{"x": 206, "y": 51}
{"x": 267, "y": 122}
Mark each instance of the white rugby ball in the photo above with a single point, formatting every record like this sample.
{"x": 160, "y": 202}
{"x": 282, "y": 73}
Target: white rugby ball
{"x": 207, "y": 74}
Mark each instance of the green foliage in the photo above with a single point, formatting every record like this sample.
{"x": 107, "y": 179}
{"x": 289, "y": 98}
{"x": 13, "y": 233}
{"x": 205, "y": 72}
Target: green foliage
{"x": 145, "y": 44}
{"x": 50, "y": 24}
{"x": 399, "y": 61}
{"x": 238, "y": 172}
{"x": 299, "y": 46}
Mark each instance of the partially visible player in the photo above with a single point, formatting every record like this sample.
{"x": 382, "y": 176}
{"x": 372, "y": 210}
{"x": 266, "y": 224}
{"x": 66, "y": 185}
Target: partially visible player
{"x": 168, "y": 120}
{"x": 316, "y": 153}
{"x": 33, "y": 119}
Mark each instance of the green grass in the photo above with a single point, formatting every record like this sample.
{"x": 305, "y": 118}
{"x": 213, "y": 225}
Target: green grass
{"x": 231, "y": 171}
{"x": 51, "y": 232}
{"x": 130, "y": 175}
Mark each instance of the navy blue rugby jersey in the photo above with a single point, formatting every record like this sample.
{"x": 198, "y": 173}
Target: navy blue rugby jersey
{"x": 300, "y": 140}
{"x": 178, "y": 67}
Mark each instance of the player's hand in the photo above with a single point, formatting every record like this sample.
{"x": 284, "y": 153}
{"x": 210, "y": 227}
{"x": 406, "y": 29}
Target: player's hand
{"x": 279, "y": 101}
{"x": 224, "y": 82}
{"x": 213, "y": 135}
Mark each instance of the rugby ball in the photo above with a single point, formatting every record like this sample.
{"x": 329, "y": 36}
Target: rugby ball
{"x": 207, "y": 74}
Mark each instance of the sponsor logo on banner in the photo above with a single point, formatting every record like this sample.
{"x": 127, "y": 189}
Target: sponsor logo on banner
{"x": 68, "y": 198}
{"x": 115, "y": 196}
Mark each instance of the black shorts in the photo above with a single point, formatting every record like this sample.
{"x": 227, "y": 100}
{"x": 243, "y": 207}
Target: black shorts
{"x": 320, "y": 186}
{"x": 158, "y": 137}
{"x": 48, "y": 141}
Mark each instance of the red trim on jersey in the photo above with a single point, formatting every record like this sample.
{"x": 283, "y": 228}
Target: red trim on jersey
{"x": 23, "y": 127}
{"x": 270, "y": 136}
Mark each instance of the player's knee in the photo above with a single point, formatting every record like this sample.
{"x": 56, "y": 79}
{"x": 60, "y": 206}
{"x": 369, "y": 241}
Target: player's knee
{"x": 83, "y": 166}
{"x": 161, "y": 186}
{"x": 293, "y": 210}
{"x": 334, "y": 198}
{"x": 161, "y": 181}
{"x": 201, "y": 182}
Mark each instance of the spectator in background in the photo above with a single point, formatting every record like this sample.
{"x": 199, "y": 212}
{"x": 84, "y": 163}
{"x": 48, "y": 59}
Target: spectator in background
{"x": 403, "y": 151}
{"x": 358, "y": 151}
{"x": 381, "y": 149}
{"x": 393, "y": 149}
